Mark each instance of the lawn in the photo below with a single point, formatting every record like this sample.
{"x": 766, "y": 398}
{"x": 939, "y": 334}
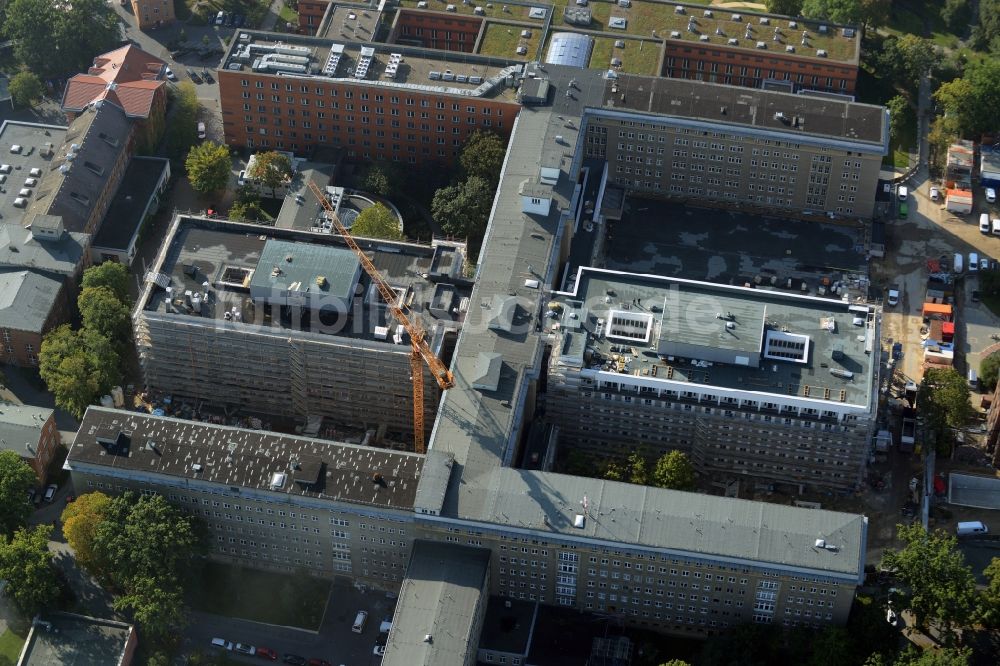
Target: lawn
{"x": 909, "y": 19}
{"x": 514, "y": 11}
{"x": 10, "y": 647}
{"x": 638, "y": 57}
{"x": 284, "y": 599}
{"x": 502, "y": 39}
{"x": 288, "y": 15}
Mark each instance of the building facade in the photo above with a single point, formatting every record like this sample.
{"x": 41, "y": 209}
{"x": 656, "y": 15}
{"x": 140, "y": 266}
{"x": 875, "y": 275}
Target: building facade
{"x": 408, "y": 116}
{"x": 153, "y": 14}
{"x": 31, "y": 432}
{"x": 289, "y": 503}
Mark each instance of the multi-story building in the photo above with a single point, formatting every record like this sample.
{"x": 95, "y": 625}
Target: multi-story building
{"x": 312, "y": 334}
{"x": 748, "y": 382}
{"x": 31, "y": 433}
{"x": 665, "y": 559}
{"x": 153, "y": 14}
{"x": 374, "y": 101}
{"x": 725, "y": 145}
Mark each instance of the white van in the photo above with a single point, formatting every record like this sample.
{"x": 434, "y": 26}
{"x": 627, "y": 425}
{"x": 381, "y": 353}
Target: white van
{"x": 222, "y": 643}
{"x": 972, "y": 528}
{"x": 359, "y": 622}
{"x": 973, "y": 379}
{"x": 996, "y": 226}
{"x": 984, "y": 222}
{"x": 973, "y": 262}
{"x": 959, "y": 261}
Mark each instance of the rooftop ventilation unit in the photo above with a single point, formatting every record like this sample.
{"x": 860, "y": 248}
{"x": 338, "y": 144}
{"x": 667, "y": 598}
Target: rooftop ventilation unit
{"x": 678, "y": 9}
{"x": 196, "y": 467}
{"x": 790, "y": 49}
{"x": 733, "y": 41}
{"x": 820, "y": 53}
{"x": 848, "y": 32}
{"x": 738, "y": 18}
{"x": 762, "y": 45}
{"x": 675, "y": 34}
{"x": 434, "y": 76}
{"x": 793, "y": 24}
{"x": 823, "y": 29}
{"x": 579, "y": 520}
{"x": 475, "y": 79}
{"x": 708, "y": 13}
{"x": 703, "y": 38}
{"x": 277, "y": 480}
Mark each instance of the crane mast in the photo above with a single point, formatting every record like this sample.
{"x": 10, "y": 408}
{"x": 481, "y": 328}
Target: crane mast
{"x": 420, "y": 351}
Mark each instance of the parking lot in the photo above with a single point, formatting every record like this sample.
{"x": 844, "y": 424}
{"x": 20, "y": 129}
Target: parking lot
{"x": 729, "y": 247}
{"x": 334, "y": 642}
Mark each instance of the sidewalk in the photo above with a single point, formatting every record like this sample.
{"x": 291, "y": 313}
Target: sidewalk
{"x": 271, "y": 18}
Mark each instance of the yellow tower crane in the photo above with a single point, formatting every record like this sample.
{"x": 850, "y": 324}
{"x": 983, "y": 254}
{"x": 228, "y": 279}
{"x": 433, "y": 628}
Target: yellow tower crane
{"x": 420, "y": 352}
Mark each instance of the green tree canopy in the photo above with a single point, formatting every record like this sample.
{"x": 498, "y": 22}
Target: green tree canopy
{"x": 974, "y": 98}
{"x": 784, "y": 7}
{"x": 80, "y": 522}
{"x": 182, "y": 132}
{"x": 16, "y": 479}
{"x": 940, "y": 585}
{"x": 638, "y": 469}
{"x": 104, "y": 313}
{"x": 156, "y": 604}
{"x": 847, "y": 12}
{"x": 78, "y": 367}
{"x": 26, "y": 565}
{"x": 246, "y": 211}
{"x": 271, "y": 169}
{"x": 899, "y": 108}
{"x": 988, "y": 370}
{"x": 377, "y": 222}
{"x": 463, "y": 210}
{"x": 956, "y": 14}
{"x": 26, "y": 88}
{"x": 381, "y": 178}
{"x": 991, "y": 596}
{"x": 53, "y": 38}
{"x": 483, "y": 156}
{"x": 944, "y": 401}
{"x": 110, "y": 274}
{"x": 208, "y": 167}
{"x": 986, "y": 33}
{"x": 674, "y": 471}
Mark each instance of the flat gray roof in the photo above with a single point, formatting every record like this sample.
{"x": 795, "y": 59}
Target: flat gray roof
{"x": 76, "y": 640}
{"x": 300, "y": 210}
{"x": 21, "y": 425}
{"x": 679, "y": 523}
{"x": 27, "y": 298}
{"x": 728, "y": 326}
{"x": 143, "y": 443}
{"x": 982, "y": 492}
{"x": 720, "y": 107}
{"x": 508, "y": 625}
{"x": 290, "y": 266}
{"x": 228, "y": 255}
{"x": 124, "y": 217}
{"x": 357, "y": 60}
{"x": 33, "y": 138}
{"x": 19, "y": 249}
{"x": 444, "y": 584}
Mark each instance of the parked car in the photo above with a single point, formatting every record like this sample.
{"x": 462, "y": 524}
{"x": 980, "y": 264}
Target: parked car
{"x": 222, "y": 643}
{"x": 991, "y": 195}
{"x": 319, "y": 662}
{"x": 220, "y": 18}
{"x": 194, "y": 76}
{"x": 243, "y": 648}
{"x": 294, "y": 660}
{"x": 201, "y": 131}
{"x": 984, "y": 264}
{"x": 903, "y": 192}
{"x": 169, "y": 73}
{"x": 267, "y": 653}
{"x": 50, "y": 492}
{"x": 935, "y": 194}
{"x": 207, "y": 75}
{"x": 378, "y": 650}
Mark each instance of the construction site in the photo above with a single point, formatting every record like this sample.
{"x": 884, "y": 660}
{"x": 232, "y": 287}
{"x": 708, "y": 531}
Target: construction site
{"x": 290, "y": 328}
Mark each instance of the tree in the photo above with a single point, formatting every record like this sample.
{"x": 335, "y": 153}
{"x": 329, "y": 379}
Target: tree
{"x": 16, "y": 480}
{"x": 53, "y": 38}
{"x": 949, "y": 656}
{"x": 847, "y": 12}
{"x": 943, "y": 133}
{"x": 483, "y": 156}
{"x": 940, "y": 585}
{"x": 26, "y": 88}
{"x": 987, "y": 30}
{"x": 156, "y": 605}
{"x": 784, "y": 7}
{"x": 78, "y": 367}
{"x": 182, "y": 132}
{"x": 674, "y": 471}
{"x": 104, "y": 313}
{"x": 991, "y": 595}
{"x": 271, "y": 169}
{"x": 974, "y": 98}
{"x": 638, "y": 470}
{"x": 144, "y": 537}
{"x": 679, "y": 662}
{"x": 956, "y": 14}
{"x": 989, "y": 368}
{"x": 246, "y": 211}
{"x": 874, "y": 13}
{"x": 80, "y": 522}
{"x": 899, "y": 110}
{"x": 110, "y": 274}
{"x": 381, "y": 178}
{"x": 463, "y": 210}
{"x": 377, "y": 222}
{"x": 944, "y": 400}
{"x": 915, "y": 57}
{"x": 614, "y": 471}
{"x": 26, "y": 565}
{"x": 208, "y": 167}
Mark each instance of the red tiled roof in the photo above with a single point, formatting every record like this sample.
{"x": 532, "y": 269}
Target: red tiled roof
{"x": 128, "y": 76}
